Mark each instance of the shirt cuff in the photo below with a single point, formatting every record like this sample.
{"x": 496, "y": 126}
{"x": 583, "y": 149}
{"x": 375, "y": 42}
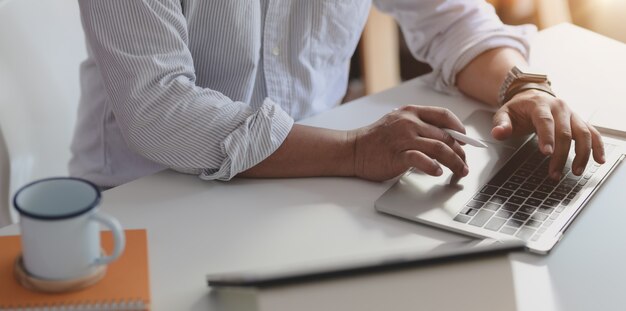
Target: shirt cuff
{"x": 256, "y": 139}
{"x": 516, "y": 37}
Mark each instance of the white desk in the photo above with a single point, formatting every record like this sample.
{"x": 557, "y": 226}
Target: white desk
{"x": 195, "y": 227}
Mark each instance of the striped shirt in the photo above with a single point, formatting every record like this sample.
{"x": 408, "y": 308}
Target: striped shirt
{"x": 212, "y": 87}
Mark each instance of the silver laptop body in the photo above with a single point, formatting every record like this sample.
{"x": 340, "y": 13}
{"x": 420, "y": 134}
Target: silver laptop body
{"x": 506, "y": 195}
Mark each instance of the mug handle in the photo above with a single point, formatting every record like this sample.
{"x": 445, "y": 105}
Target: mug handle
{"x": 118, "y": 236}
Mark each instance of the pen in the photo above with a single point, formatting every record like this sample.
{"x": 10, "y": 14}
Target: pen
{"x": 465, "y": 139}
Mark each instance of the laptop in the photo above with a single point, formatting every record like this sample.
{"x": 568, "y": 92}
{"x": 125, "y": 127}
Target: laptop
{"x": 363, "y": 263}
{"x": 507, "y": 194}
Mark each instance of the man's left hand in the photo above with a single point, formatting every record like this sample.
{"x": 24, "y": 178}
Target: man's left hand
{"x": 556, "y": 126}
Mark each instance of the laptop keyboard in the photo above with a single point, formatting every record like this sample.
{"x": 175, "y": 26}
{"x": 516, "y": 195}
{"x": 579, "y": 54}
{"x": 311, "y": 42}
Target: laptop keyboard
{"x": 521, "y": 200}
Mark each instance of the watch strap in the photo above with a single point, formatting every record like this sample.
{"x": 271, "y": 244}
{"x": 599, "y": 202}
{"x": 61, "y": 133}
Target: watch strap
{"x": 518, "y": 88}
{"x": 516, "y": 78}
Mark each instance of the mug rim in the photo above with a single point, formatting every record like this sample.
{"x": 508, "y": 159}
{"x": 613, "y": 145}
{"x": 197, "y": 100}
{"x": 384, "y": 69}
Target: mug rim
{"x": 84, "y": 210}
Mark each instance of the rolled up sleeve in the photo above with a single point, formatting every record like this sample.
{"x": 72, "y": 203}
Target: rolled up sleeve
{"x": 448, "y": 34}
{"x": 142, "y": 52}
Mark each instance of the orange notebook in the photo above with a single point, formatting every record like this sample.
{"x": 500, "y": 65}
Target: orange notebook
{"x": 124, "y": 287}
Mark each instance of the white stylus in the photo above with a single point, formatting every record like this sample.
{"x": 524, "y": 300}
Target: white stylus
{"x": 465, "y": 139}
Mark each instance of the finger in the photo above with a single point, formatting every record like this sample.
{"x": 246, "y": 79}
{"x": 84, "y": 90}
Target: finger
{"x": 502, "y": 125}
{"x": 420, "y": 161}
{"x": 582, "y": 136}
{"x": 543, "y": 122}
{"x": 440, "y": 117}
{"x": 562, "y": 140}
{"x": 441, "y": 152}
{"x": 433, "y": 132}
{"x": 597, "y": 145}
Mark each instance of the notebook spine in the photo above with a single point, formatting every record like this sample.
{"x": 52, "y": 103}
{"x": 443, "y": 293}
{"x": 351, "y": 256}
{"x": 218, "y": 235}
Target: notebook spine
{"x": 127, "y": 305}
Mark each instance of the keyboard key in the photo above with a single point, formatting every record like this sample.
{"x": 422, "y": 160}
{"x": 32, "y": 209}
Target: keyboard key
{"x": 497, "y": 199}
{"x": 491, "y": 206}
{"x": 523, "y": 193}
{"x": 482, "y": 197}
{"x": 521, "y": 216}
{"x": 550, "y": 182}
{"x": 583, "y": 182}
{"x": 510, "y": 186}
{"x": 514, "y": 223}
{"x": 587, "y": 176}
{"x": 554, "y": 216}
{"x": 546, "y": 209}
{"x": 505, "y": 193}
{"x": 557, "y": 196}
{"x": 529, "y": 186}
{"x": 533, "y": 223}
{"x": 475, "y": 204}
{"x": 525, "y": 233}
{"x": 462, "y": 218}
{"x": 539, "y": 195}
{"x": 516, "y": 200}
{"x": 571, "y": 195}
{"x": 517, "y": 179}
{"x": 504, "y": 214}
{"x": 471, "y": 212}
{"x": 566, "y": 202}
{"x": 495, "y": 223}
{"x": 522, "y": 173}
{"x": 510, "y": 207}
{"x": 489, "y": 190}
{"x": 508, "y": 230}
{"x": 545, "y": 188}
{"x": 560, "y": 208}
{"x": 564, "y": 188}
{"x": 527, "y": 209}
{"x": 550, "y": 202}
{"x": 534, "y": 179}
{"x": 533, "y": 202}
{"x": 539, "y": 216}
{"x": 481, "y": 218}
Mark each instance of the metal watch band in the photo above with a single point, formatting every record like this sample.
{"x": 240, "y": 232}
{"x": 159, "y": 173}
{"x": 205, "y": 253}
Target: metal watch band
{"x": 515, "y": 77}
{"x": 518, "y": 88}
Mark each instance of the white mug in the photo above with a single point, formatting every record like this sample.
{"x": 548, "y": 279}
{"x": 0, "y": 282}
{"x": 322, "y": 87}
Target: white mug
{"x": 60, "y": 228}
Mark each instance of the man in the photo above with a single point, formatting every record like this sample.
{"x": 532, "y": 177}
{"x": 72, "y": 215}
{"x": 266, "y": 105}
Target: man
{"x": 212, "y": 88}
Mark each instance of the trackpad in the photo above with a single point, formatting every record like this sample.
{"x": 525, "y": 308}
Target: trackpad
{"x": 419, "y": 194}
{"x": 479, "y": 125}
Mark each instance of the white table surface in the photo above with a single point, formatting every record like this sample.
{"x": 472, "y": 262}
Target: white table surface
{"x": 196, "y": 227}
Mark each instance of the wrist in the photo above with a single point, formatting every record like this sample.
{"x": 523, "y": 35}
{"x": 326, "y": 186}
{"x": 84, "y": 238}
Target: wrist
{"x": 539, "y": 88}
{"x": 518, "y": 81}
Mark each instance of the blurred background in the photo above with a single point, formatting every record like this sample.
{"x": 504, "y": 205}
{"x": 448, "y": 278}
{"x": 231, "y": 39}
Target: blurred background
{"x": 382, "y": 59}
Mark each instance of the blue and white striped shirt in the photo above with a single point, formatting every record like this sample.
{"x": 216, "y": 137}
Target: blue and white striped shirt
{"x": 212, "y": 87}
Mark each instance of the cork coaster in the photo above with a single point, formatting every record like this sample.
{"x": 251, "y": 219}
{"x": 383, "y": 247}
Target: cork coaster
{"x": 31, "y": 282}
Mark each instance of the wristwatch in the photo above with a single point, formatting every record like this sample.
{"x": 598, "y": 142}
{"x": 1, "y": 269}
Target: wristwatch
{"x": 518, "y": 81}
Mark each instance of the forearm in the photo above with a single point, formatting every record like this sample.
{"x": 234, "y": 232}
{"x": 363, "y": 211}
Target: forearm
{"x": 309, "y": 151}
{"x": 482, "y": 77}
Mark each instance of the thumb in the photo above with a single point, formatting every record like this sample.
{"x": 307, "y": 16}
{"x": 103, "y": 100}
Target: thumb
{"x": 502, "y": 126}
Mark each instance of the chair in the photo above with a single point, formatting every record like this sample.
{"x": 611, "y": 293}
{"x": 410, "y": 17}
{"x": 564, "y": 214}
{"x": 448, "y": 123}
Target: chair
{"x": 41, "y": 47}
{"x": 380, "y": 55}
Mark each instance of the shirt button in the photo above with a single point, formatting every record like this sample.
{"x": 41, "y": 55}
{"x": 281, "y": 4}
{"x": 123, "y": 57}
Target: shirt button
{"x": 275, "y": 51}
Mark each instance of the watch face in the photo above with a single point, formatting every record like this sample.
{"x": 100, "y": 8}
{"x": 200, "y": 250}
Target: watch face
{"x": 527, "y": 75}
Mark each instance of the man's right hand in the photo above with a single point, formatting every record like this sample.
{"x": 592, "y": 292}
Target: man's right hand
{"x": 411, "y": 136}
